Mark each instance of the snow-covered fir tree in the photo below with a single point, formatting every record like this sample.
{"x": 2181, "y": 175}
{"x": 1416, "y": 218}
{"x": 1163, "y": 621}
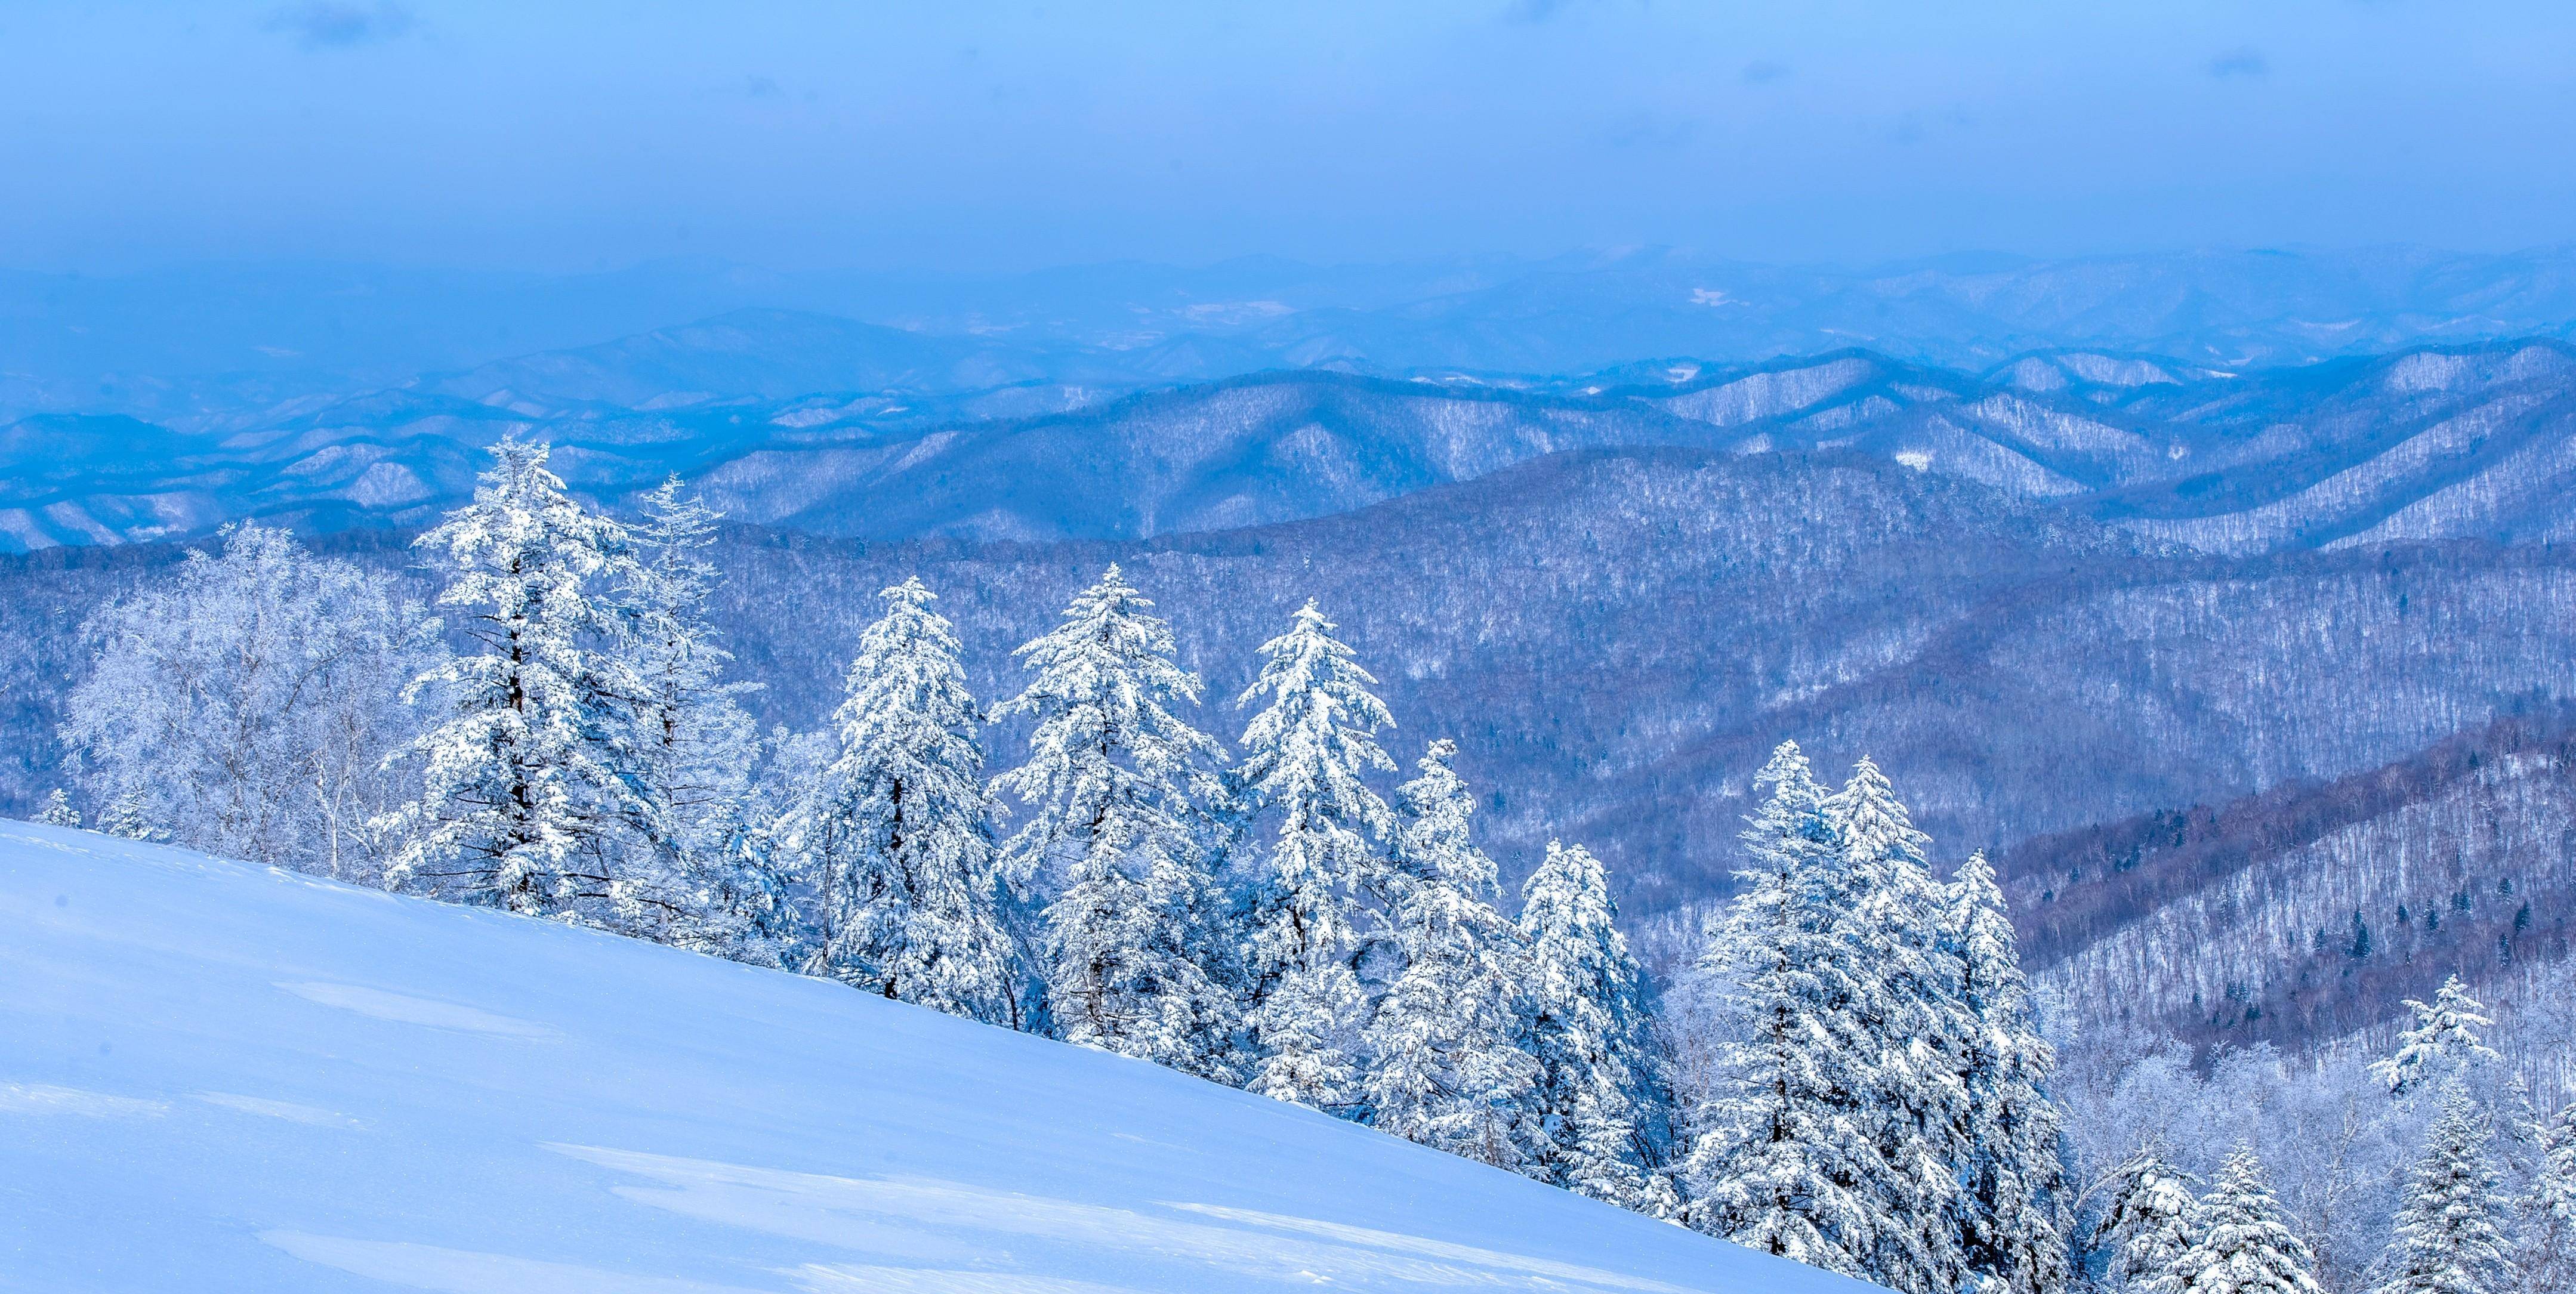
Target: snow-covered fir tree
{"x": 1588, "y": 1030}
{"x": 1781, "y": 1148}
{"x": 2013, "y": 1219}
{"x": 2442, "y": 1045}
{"x": 1305, "y": 755}
{"x": 896, "y": 831}
{"x": 696, "y": 748}
{"x": 2147, "y": 1227}
{"x": 130, "y": 817}
{"x": 2242, "y": 1241}
{"x": 58, "y": 810}
{"x": 530, "y": 797}
{"x": 1912, "y": 1000}
{"x": 2450, "y": 1233}
{"x": 2545, "y": 1213}
{"x": 1131, "y": 952}
{"x": 1445, "y": 1065}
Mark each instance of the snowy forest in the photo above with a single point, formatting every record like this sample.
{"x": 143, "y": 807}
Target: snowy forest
{"x": 1850, "y": 1069}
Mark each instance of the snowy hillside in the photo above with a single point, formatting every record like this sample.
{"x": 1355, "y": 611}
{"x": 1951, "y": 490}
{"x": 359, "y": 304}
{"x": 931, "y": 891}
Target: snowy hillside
{"x": 218, "y": 1077}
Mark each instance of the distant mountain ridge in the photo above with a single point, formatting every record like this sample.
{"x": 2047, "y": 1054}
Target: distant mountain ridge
{"x": 2429, "y": 444}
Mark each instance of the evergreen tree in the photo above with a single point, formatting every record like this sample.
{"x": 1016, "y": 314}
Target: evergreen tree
{"x": 2545, "y": 1216}
{"x": 2442, "y": 1045}
{"x": 2147, "y": 1229}
{"x": 1131, "y": 958}
{"x": 696, "y": 748}
{"x": 896, "y": 829}
{"x": 58, "y": 810}
{"x": 2241, "y": 1241}
{"x": 128, "y": 817}
{"x": 2013, "y": 1214}
{"x": 1445, "y": 1067}
{"x": 1911, "y": 1003}
{"x": 2449, "y": 1234}
{"x": 530, "y": 796}
{"x": 1304, "y": 757}
{"x": 1782, "y": 1148}
{"x": 1587, "y": 1029}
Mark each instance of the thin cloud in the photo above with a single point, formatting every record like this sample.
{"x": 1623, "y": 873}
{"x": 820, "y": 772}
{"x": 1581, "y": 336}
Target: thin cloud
{"x": 330, "y": 24}
{"x": 2239, "y": 62}
{"x": 1763, "y": 71}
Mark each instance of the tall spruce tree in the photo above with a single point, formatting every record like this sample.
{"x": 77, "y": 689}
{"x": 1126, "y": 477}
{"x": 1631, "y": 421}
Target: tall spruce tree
{"x": 2450, "y": 1231}
{"x": 1782, "y": 1150}
{"x": 896, "y": 830}
{"x": 1911, "y": 1002}
{"x": 2442, "y": 1045}
{"x": 1305, "y": 755}
{"x": 1132, "y": 953}
{"x": 1588, "y": 1030}
{"x": 530, "y": 797}
{"x": 1445, "y": 1065}
{"x": 2545, "y": 1215}
{"x": 2147, "y": 1227}
{"x": 2013, "y": 1211}
{"x": 697, "y": 749}
{"x": 2242, "y": 1242}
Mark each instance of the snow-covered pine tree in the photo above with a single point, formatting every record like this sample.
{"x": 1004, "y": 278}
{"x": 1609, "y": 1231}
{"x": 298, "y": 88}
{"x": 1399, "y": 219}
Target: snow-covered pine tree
{"x": 2242, "y": 1242}
{"x": 895, "y": 831}
{"x": 1781, "y": 1147}
{"x": 1587, "y": 1029}
{"x": 1445, "y": 1065}
{"x": 58, "y": 810}
{"x": 1912, "y": 999}
{"x": 2013, "y": 1212}
{"x": 2441, "y": 1046}
{"x": 696, "y": 749}
{"x": 2147, "y": 1228}
{"x": 2450, "y": 1235}
{"x": 2545, "y": 1215}
{"x": 1305, "y": 756}
{"x": 129, "y": 817}
{"x": 1131, "y": 960}
{"x": 529, "y": 798}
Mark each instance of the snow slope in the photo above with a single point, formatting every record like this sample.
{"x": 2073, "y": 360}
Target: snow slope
{"x": 217, "y": 1077}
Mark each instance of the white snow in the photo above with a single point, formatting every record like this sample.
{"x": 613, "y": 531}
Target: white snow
{"x": 221, "y": 1077}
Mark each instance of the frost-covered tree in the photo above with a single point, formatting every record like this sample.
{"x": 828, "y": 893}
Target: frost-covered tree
{"x": 2545, "y": 1214}
{"x": 130, "y": 817}
{"x": 1912, "y": 1001}
{"x": 2147, "y": 1227}
{"x": 896, "y": 831}
{"x": 2442, "y": 1045}
{"x": 2242, "y": 1241}
{"x": 530, "y": 796}
{"x": 1130, "y": 958}
{"x": 1305, "y": 755}
{"x": 1587, "y": 1029}
{"x": 696, "y": 748}
{"x": 2450, "y": 1234}
{"x": 1782, "y": 1150}
{"x": 244, "y": 703}
{"x": 2013, "y": 1211}
{"x": 58, "y": 810}
{"x": 1445, "y": 1065}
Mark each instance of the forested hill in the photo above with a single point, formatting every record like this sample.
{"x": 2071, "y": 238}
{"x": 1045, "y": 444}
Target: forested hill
{"x": 1617, "y": 637}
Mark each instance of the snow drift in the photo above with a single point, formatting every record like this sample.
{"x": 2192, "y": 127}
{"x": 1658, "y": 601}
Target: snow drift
{"x": 221, "y": 1077}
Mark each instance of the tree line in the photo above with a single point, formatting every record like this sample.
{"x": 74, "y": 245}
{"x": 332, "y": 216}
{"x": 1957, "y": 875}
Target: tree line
{"x": 1854, "y": 1074}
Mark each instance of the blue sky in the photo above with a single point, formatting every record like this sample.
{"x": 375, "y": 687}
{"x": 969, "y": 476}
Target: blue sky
{"x": 962, "y": 134}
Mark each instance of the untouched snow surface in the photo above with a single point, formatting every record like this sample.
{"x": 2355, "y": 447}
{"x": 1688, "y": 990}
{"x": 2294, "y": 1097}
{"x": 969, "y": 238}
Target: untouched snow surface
{"x": 216, "y": 1077}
